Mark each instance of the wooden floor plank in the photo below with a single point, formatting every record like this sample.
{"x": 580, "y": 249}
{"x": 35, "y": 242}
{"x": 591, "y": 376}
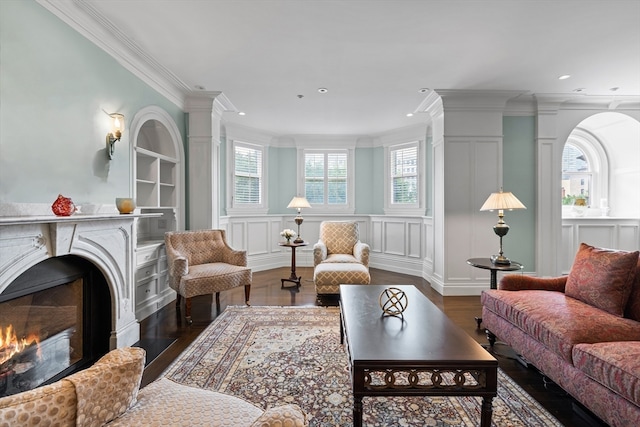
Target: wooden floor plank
{"x": 167, "y": 328}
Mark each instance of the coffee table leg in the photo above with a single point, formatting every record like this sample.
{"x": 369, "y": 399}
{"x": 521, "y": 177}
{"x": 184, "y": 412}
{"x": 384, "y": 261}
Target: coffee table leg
{"x": 357, "y": 411}
{"x": 487, "y": 411}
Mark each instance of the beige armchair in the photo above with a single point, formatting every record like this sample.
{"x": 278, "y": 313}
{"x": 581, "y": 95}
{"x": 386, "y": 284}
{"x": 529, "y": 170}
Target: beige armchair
{"x": 201, "y": 263}
{"x": 339, "y": 257}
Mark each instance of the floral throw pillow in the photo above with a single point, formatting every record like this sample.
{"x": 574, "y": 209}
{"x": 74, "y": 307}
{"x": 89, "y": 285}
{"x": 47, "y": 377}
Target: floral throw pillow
{"x": 602, "y": 278}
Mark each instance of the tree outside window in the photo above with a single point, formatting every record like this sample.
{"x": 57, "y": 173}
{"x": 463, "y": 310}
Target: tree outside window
{"x": 325, "y": 177}
{"x": 576, "y": 175}
{"x": 404, "y": 175}
{"x": 248, "y": 175}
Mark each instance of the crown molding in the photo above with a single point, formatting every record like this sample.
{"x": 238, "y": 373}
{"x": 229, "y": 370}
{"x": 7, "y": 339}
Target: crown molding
{"x": 87, "y": 21}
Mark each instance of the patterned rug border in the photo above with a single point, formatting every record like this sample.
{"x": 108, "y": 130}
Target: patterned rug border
{"x": 210, "y": 360}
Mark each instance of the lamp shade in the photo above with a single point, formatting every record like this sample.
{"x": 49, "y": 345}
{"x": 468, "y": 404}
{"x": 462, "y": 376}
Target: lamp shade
{"x": 298, "y": 203}
{"x": 502, "y": 200}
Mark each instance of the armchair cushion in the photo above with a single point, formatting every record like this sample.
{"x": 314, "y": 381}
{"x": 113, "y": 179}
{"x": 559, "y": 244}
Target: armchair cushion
{"x": 602, "y": 278}
{"x": 340, "y": 237}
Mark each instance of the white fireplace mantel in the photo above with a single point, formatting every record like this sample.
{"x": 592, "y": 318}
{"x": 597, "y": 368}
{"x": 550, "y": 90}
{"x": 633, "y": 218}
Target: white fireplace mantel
{"x": 107, "y": 240}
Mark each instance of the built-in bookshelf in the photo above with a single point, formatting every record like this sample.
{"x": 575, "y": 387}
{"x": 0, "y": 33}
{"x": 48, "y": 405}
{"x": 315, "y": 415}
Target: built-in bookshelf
{"x": 157, "y": 190}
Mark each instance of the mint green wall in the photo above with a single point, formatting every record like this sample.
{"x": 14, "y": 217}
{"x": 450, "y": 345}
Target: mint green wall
{"x": 54, "y": 87}
{"x": 519, "y": 177}
{"x": 377, "y": 181}
{"x": 365, "y": 169}
{"x": 282, "y": 179}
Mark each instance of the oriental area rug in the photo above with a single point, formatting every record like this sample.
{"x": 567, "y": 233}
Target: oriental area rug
{"x": 276, "y": 355}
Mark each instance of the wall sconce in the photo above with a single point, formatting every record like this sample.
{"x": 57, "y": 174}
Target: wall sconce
{"x": 117, "y": 126}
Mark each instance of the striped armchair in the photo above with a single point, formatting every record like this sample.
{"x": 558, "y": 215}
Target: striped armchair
{"x": 339, "y": 257}
{"x": 201, "y": 263}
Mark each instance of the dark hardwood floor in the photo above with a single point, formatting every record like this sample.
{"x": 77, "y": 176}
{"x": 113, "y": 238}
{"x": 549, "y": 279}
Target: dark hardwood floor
{"x": 164, "y": 335}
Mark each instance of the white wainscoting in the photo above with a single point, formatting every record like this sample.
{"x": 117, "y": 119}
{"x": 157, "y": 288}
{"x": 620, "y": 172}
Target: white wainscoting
{"x": 604, "y": 232}
{"x": 397, "y": 243}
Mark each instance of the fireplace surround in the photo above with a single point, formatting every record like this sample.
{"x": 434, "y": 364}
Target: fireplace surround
{"x": 108, "y": 241}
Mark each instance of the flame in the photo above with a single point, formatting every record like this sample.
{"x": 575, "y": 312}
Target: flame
{"x": 10, "y": 344}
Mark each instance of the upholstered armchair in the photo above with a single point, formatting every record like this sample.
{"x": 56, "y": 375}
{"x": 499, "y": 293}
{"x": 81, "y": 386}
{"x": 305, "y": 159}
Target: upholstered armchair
{"x": 201, "y": 263}
{"x": 339, "y": 257}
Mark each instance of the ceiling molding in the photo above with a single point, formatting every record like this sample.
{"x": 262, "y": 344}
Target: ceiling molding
{"x": 87, "y": 21}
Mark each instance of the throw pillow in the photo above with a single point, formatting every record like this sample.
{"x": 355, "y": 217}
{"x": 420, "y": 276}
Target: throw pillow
{"x": 109, "y": 388}
{"x": 602, "y": 278}
{"x": 633, "y": 306}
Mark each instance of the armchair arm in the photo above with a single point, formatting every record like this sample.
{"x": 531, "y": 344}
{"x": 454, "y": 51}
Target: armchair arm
{"x": 319, "y": 252}
{"x": 518, "y": 282}
{"x": 361, "y": 252}
{"x": 234, "y": 257}
{"x": 178, "y": 267}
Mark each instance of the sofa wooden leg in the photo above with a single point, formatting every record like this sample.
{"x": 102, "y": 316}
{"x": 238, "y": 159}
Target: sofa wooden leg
{"x": 247, "y": 292}
{"x": 187, "y": 310}
{"x": 178, "y": 301}
{"x": 490, "y": 337}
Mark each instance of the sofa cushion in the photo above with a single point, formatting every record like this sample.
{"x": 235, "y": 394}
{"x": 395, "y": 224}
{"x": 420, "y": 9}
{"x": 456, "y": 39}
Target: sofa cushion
{"x": 167, "y": 403}
{"x": 109, "y": 387}
{"x": 50, "y": 405}
{"x": 633, "y": 306}
{"x": 558, "y": 321}
{"x": 602, "y": 277}
{"x": 616, "y": 365}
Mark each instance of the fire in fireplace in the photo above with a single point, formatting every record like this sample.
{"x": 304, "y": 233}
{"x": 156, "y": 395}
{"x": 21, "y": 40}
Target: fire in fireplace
{"x": 54, "y": 320}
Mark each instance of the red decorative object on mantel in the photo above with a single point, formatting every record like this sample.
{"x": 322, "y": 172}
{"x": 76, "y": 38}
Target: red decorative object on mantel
{"x": 63, "y": 206}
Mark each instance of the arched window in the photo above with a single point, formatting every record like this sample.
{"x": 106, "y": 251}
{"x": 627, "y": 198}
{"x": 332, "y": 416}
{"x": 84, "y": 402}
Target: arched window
{"x": 584, "y": 171}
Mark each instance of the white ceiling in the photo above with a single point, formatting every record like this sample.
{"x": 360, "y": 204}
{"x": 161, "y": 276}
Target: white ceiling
{"x": 374, "y": 56}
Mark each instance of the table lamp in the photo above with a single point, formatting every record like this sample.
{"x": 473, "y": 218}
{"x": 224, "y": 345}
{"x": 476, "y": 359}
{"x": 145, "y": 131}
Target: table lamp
{"x": 298, "y": 203}
{"x": 501, "y": 201}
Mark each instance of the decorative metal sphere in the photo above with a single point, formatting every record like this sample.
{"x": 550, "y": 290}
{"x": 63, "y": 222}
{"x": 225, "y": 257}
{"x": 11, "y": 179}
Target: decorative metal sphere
{"x": 393, "y": 301}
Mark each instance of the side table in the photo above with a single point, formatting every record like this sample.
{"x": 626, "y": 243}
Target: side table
{"x": 486, "y": 264}
{"x": 294, "y": 278}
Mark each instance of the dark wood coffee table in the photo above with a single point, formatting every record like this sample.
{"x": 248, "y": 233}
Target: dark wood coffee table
{"x": 422, "y": 353}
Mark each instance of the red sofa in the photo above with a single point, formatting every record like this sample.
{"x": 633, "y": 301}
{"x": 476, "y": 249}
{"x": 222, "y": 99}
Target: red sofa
{"x": 582, "y": 330}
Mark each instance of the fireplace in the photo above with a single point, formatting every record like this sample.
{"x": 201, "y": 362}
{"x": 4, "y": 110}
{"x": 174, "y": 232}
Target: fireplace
{"x": 80, "y": 271}
{"x": 54, "y": 320}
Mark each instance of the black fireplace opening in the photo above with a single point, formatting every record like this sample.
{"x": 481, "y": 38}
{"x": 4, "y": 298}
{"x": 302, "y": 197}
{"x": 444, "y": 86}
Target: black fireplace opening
{"x": 55, "y": 319}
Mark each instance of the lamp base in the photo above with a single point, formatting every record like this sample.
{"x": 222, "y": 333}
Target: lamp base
{"x": 298, "y": 240}
{"x": 500, "y": 259}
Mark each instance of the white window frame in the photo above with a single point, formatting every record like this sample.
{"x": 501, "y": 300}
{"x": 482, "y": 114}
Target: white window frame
{"x": 598, "y": 162}
{"x": 246, "y": 208}
{"x": 349, "y": 207}
{"x": 411, "y": 209}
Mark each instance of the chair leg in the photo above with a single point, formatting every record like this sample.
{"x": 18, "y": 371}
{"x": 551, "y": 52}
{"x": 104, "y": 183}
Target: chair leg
{"x": 178, "y": 300}
{"x": 247, "y": 292}
{"x": 218, "y": 301}
{"x": 187, "y": 310}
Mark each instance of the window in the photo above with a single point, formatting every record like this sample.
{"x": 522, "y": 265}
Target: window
{"x": 404, "y": 174}
{"x": 326, "y": 178}
{"x": 576, "y": 175}
{"x": 403, "y": 179}
{"x": 248, "y": 181}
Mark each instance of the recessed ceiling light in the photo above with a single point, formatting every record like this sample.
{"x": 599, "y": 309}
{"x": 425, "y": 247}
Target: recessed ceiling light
{"x": 564, "y": 77}
{"x": 409, "y": 114}
{"x": 580, "y": 89}
{"x": 613, "y": 89}
{"x": 199, "y": 87}
{"x": 241, "y": 113}
{"x": 323, "y": 90}
{"x": 300, "y": 96}
{"x": 424, "y": 90}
